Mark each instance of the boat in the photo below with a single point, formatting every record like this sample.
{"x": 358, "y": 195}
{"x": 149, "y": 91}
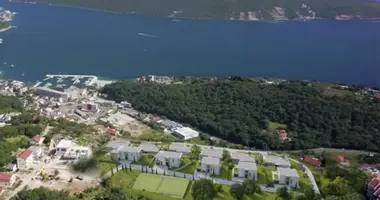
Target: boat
{"x": 11, "y": 66}
{"x": 22, "y": 74}
{"x": 1, "y": 41}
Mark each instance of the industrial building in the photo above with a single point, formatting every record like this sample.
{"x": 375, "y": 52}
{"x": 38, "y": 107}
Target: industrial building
{"x": 185, "y": 133}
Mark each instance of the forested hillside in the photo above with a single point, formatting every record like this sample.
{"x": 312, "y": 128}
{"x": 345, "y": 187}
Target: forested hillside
{"x": 240, "y": 111}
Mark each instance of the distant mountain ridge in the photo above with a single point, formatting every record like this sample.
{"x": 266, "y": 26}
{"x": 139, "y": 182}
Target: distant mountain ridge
{"x": 234, "y": 9}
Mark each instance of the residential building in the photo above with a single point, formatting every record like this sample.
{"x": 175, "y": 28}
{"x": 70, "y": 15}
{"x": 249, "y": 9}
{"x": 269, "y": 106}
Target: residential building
{"x": 180, "y": 148}
{"x": 38, "y": 139}
{"x": 237, "y": 156}
{"x": 111, "y": 131}
{"x": 25, "y": 159}
{"x": 339, "y": 158}
{"x": 277, "y": 161}
{"x": 247, "y": 170}
{"x": 77, "y": 152}
{"x": 372, "y": 189}
{"x": 215, "y": 153}
{"x": 210, "y": 165}
{"x": 63, "y": 146}
{"x": 168, "y": 158}
{"x": 7, "y": 180}
{"x": 169, "y": 124}
{"x": 115, "y": 144}
{"x": 185, "y": 133}
{"x": 36, "y": 152}
{"x": 12, "y": 167}
{"x": 312, "y": 161}
{"x": 288, "y": 176}
{"x": 127, "y": 153}
{"x": 282, "y": 134}
{"x": 149, "y": 148}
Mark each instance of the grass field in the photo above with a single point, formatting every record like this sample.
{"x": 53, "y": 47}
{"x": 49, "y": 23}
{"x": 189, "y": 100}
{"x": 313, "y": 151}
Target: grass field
{"x": 265, "y": 174}
{"x": 105, "y": 163}
{"x": 145, "y": 159}
{"x": 303, "y": 179}
{"x": 162, "y": 184}
{"x": 275, "y": 125}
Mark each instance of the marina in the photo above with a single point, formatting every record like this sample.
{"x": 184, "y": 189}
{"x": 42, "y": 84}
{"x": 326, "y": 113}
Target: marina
{"x": 66, "y": 81}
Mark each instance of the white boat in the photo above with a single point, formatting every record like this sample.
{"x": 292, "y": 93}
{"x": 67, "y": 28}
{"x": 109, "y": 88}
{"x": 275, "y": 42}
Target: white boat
{"x": 11, "y": 66}
{"x": 1, "y": 41}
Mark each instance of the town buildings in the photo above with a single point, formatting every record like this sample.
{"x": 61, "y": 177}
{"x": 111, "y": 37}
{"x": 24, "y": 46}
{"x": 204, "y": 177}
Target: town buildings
{"x": 287, "y": 176}
{"x": 7, "y": 180}
{"x": 44, "y": 91}
{"x": 247, "y": 170}
{"x": 127, "y": 153}
{"x": 215, "y": 153}
{"x": 185, "y": 133}
{"x": 210, "y": 165}
{"x": 277, "y": 161}
{"x": 25, "y": 159}
{"x": 238, "y": 157}
{"x": 168, "y": 158}
{"x": 180, "y": 148}
{"x": 149, "y": 148}
{"x": 312, "y": 161}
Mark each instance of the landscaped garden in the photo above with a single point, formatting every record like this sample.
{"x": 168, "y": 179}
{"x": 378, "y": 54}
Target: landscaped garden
{"x": 303, "y": 179}
{"x": 265, "y": 174}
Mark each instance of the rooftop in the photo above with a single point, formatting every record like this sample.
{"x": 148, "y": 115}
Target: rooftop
{"x": 130, "y": 149}
{"x": 37, "y": 138}
{"x": 25, "y": 154}
{"x": 242, "y": 157}
{"x": 247, "y": 165}
{"x": 276, "y": 160}
{"x": 210, "y": 161}
{"x": 180, "y": 147}
{"x": 117, "y": 143}
{"x": 216, "y": 153}
{"x": 65, "y": 144}
{"x": 169, "y": 154}
{"x": 186, "y": 132}
{"x": 287, "y": 172}
{"x": 149, "y": 147}
{"x": 34, "y": 149}
{"x": 5, "y": 177}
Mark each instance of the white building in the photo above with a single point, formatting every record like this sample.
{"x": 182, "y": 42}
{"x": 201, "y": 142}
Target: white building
{"x": 185, "y": 133}
{"x": 127, "y": 153}
{"x": 210, "y": 165}
{"x": 277, "y": 161}
{"x": 36, "y": 152}
{"x": 63, "y": 146}
{"x": 288, "y": 176}
{"x": 114, "y": 145}
{"x": 169, "y": 159}
{"x": 77, "y": 152}
{"x": 25, "y": 159}
{"x": 247, "y": 170}
{"x": 91, "y": 106}
{"x": 149, "y": 148}
{"x": 7, "y": 180}
{"x": 44, "y": 91}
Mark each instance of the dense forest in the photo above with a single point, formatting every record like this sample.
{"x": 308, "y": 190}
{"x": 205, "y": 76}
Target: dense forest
{"x": 3, "y": 25}
{"x": 241, "y": 110}
{"x": 230, "y": 9}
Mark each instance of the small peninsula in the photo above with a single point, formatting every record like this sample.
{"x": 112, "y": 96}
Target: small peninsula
{"x": 233, "y": 9}
{"x": 5, "y": 17}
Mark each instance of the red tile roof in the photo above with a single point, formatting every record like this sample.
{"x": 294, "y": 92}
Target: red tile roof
{"x": 111, "y": 131}
{"x": 377, "y": 193}
{"x": 24, "y": 155}
{"x": 5, "y": 177}
{"x": 37, "y": 138}
{"x": 339, "y": 158}
{"x": 156, "y": 119}
{"x": 374, "y": 182}
{"x": 1, "y": 189}
{"x": 312, "y": 160}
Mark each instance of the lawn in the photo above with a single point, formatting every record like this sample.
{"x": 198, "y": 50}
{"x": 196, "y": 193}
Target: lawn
{"x": 275, "y": 125}
{"x": 265, "y": 174}
{"x": 303, "y": 179}
{"x": 225, "y": 173}
{"x": 190, "y": 169}
{"x": 105, "y": 163}
{"x": 184, "y": 161}
{"x": 145, "y": 159}
{"x": 158, "y": 135}
{"x": 126, "y": 180}
{"x": 162, "y": 184}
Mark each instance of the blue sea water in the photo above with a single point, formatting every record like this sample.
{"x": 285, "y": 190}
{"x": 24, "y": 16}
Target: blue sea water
{"x": 50, "y": 39}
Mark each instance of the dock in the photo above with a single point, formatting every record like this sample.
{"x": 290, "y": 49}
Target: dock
{"x": 91, "y": 78}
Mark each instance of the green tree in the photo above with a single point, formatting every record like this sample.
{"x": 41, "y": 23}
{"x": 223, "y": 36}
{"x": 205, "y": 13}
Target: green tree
{"x": 249, "y": 186}
{"x": 203, "y": 190}
{"x": 284, "y": 194}
{"x": 237, "y": 191}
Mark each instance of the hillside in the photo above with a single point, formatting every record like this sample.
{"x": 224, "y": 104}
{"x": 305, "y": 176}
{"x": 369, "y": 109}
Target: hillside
{"x": 242, "y": 110}
{"x": 233, "y": 9}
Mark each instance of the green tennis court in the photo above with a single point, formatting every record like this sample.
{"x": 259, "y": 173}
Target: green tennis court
{"x": 162, "y": 184}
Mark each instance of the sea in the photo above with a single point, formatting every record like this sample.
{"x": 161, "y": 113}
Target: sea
{"x": 60, "y": 40}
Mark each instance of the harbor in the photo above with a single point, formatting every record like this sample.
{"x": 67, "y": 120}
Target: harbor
{"x": 66, "y": 81}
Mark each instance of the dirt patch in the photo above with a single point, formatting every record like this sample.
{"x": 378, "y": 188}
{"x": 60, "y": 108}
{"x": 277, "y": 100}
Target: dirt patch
{"x": 128, "y": 124}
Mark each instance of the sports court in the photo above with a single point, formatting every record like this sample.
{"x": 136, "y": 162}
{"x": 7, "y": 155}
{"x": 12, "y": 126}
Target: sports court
{"x": 162, "y": 184}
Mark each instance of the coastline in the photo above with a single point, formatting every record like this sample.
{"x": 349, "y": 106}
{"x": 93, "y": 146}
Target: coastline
{"x": 336, "y": 18}
{"x": 5, "y": 29}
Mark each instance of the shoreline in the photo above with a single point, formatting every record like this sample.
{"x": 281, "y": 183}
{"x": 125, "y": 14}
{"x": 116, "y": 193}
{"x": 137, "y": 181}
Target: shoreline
{"x": 336, "y": 18}
{"x": 5, "y": 29}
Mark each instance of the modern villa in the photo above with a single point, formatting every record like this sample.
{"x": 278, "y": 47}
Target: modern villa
{"x": 169, "y": 159}
{"x": 247, "y": 170}
{"x": 210, "y": 165}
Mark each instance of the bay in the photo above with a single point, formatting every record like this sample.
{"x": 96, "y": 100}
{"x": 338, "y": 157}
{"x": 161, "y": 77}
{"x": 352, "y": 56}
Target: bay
{"x": 52, "y": 39}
